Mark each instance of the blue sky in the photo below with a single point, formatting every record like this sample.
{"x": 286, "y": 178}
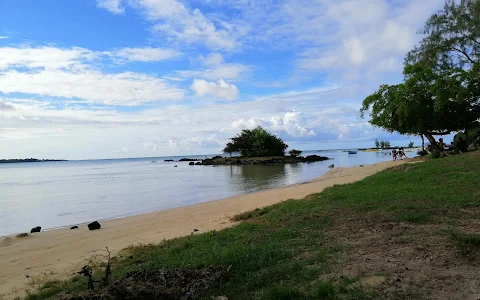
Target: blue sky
{"x": 130, "y": 78}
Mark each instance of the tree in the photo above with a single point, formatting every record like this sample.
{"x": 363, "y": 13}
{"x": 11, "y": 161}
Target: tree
{"x": 229, "y": 148}
{"x": 451, "y": 38}
{"x": 427, "y": 103}
{"x": 410, "y": 145}
{"x": 377, "y": 143}
{"x": 256, "y": 143}
{"x": 295, "y": 153}
{"x": 441, "y": 90}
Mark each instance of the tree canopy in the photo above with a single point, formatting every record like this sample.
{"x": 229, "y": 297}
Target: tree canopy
{"x": 441, "y": 90}
{"x": 256, "y": 143}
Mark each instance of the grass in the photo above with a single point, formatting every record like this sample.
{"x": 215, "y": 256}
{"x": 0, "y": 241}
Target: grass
{"x": 467, "y": 242}
{"x": 284, "y": 251}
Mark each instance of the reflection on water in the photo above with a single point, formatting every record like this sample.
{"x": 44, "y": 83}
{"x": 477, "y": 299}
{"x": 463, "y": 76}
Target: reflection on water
{"x": 258, "y": 177}
{"x": 64, "y": 193}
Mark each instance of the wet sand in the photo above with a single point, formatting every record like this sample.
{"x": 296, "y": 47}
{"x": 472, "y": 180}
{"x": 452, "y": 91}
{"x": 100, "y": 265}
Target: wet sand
{"x": 60, "y": 252}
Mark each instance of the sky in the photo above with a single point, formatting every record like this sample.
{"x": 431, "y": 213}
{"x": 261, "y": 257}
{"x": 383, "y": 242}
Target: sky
{"x": 141, "y": 78}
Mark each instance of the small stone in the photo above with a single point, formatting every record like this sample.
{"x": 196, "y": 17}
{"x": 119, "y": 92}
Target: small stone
{"x": 36, "y": 229}
{"x": 191, "y": 163}
{"x": 21, "y": 235}
{"x": 73, "y": 227}
{"x": 331, "y": 166}
{"x": 175, "y": 166}
{"x": 195, "y": 230}
{"x": 94, "y": 226}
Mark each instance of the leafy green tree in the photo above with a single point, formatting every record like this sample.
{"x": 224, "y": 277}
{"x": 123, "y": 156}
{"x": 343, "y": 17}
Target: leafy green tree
{"x": 295, "y": 153}
{"x": 451, "y": 38}
{"x": 377, "y": 143}
{"x": 427, "y": 103}
{"x": 257, "y": 143}
{"x": 441, "y": 90}
{"x": 230, "y": 148}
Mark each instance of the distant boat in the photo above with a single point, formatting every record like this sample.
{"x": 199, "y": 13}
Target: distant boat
{"x": 352, "y": 152}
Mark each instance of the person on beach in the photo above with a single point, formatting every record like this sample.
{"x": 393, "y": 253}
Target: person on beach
{"x": 394, "y": 154}
{"x": 441, "y": 144}
{"x": 402, "y": 154}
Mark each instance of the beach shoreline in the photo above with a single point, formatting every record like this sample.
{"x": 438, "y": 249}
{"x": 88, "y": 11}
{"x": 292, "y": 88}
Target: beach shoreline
{"x": 60, "y": 252}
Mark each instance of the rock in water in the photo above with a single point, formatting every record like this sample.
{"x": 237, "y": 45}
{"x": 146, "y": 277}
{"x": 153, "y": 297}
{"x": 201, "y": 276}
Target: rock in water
{"x": 94, "y": 226}
{"x": 36, "y": 229}
{"x": 191, "y": 163}
{"x": 331, "y": 166}
{"x": 74, "y": 227}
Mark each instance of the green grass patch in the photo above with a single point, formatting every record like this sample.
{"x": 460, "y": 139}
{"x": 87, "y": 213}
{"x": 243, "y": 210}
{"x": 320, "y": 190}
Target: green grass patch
{"x": 466, "y": 242}
{"x": 282, "y": 250}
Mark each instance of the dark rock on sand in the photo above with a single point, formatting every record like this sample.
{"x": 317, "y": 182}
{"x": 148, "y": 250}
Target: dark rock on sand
{"x": 331, "y": 166}
{"x": 36, "y": 229}
{"x": 21, "y": 235}
{"x": 94, "y": 226}
{"x": 195, "y": 230}
{"x": 74, "y": 227}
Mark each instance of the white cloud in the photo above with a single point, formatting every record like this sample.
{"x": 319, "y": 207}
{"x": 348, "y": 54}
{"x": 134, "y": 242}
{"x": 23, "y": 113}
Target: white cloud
{"x": 218, "y": 90}
{"x": 174, "y": 20}
{"x": 292, "y": 123}
{"x": 215, "y": 68}
{"x": 44, "y": 57}
{"x": 4, "y": 106}
{"x": 113, "y": 6}
{"x": 3, "y": 37}
{"x": 146, "y": 54}
{"x": 60, "y": 58}
{"x": 76, "y": 73}
{"x": 326, "y": 116}
{"x": 93, "y": 86}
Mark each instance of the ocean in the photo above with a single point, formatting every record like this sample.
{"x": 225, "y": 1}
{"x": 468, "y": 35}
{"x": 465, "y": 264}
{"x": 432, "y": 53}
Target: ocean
{"x": 59, "y": 194}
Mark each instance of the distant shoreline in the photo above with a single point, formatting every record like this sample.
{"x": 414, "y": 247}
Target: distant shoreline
{"x": 27, "y": 160}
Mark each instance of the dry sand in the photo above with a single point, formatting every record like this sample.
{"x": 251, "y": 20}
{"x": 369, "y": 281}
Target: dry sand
{"x": 62, "y": 251}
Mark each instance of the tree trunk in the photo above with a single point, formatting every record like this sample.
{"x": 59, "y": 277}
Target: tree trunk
{"x": 432, "y": 141}
{"x": 423, "y": 143}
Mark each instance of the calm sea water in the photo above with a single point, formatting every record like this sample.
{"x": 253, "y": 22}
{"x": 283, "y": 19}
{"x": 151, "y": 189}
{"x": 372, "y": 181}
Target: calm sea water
{"x": 56, "y": 194}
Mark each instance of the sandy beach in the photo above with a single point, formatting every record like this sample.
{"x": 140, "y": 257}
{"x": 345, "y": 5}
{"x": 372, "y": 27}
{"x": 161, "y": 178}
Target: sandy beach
{"x": 60, "y": 252}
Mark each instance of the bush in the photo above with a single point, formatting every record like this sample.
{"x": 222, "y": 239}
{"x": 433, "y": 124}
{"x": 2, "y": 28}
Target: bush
{"x": 295, "y": 153}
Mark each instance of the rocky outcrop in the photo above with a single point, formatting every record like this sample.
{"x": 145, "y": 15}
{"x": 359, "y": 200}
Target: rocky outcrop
{"x": 36, "y": 229}
{"x": 189, "y": 159}
{"x": 73, "y": 227}
{"x": 261, "y": 160}
{"x": 94, "y": 226}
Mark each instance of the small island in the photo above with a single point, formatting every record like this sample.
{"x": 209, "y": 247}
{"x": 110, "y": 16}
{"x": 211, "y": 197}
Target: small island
{"x": 259, "y": 147}
{"x": 27, "y": 160}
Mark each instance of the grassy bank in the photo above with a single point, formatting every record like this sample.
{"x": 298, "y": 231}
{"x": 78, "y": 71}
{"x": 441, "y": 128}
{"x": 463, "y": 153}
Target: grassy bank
{"x": 409, "y": 232}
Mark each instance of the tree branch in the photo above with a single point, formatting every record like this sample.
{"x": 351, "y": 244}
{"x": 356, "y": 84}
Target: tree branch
{"x": 439, "y": 133}
{"x": 464, "y": 53}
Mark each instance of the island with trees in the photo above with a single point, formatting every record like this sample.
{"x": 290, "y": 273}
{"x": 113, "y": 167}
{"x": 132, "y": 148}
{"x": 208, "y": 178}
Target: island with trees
{"x": 259, "y": 147}
{"x": 26, "y": 160}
